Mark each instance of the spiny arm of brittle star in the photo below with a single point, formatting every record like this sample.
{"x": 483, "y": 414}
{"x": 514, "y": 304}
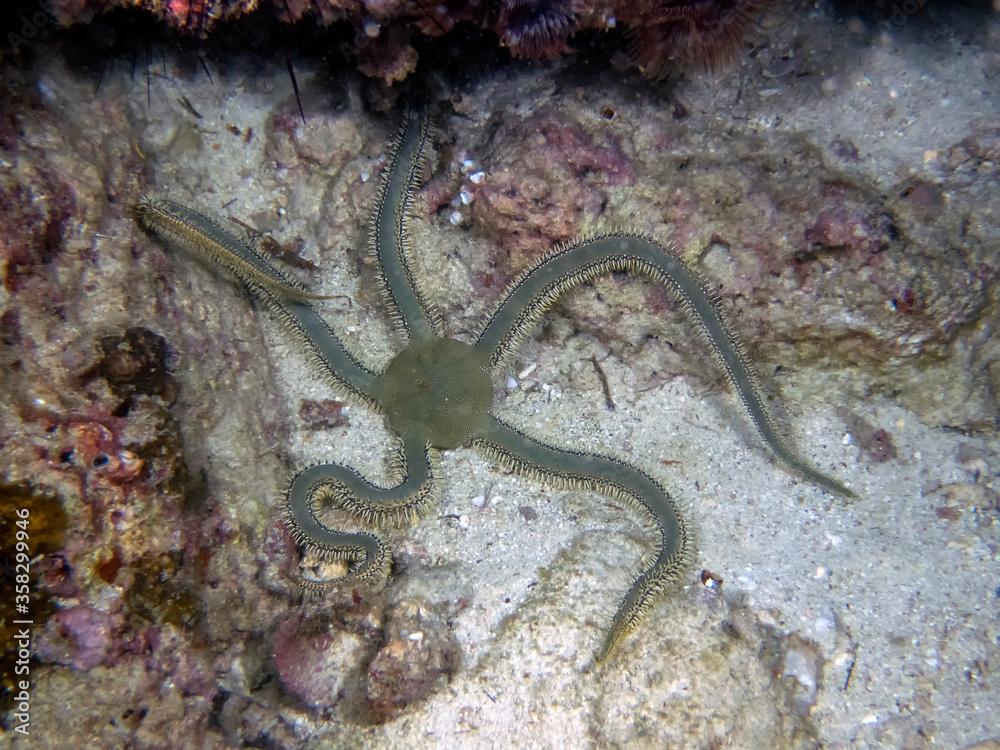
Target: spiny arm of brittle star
{"x": 412, "y": 315}
{"x": 367, "y": 503}
{"x": 171, "y": 220}
{"x": 343, "y": 371}
{"x": 565, "y": 469}
{"x": 535, "y": 290}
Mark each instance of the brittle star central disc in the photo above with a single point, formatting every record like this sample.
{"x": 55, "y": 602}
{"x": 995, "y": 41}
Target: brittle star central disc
{"x": 441, "y": 388}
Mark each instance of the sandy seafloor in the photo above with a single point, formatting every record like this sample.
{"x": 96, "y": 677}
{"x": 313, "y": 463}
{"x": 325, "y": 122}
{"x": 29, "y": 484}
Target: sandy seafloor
{"x": 839, "y": 624}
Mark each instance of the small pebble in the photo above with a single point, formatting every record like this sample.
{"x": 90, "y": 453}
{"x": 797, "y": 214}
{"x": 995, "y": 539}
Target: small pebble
{"x": 824, "y": 627}
{"x": 46, "y": 90}
{"x": 479, "y": 501}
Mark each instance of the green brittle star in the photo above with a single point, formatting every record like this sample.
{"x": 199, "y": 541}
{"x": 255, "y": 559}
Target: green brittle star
{"x": 436, "y": 394}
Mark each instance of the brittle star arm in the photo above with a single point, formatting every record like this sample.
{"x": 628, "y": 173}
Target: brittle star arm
{"x": 349, "y": 490}
{"x": 171, "y": 220}
{"x": 344, "y": 488}
{"x": 342, "y": 371}
{"x": 617, "y": 480}
{"x": 535, "y": 290}
{"x": 391, "y": 244}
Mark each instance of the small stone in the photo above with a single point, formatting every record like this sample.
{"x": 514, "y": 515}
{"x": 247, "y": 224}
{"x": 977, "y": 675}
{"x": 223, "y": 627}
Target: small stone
{"x": 826, "y": 630}
{"x": 948, "y": 513}
{"x": 710, "y": 580}
{"x": 135, "y": 363}
{"x": 972, "y": 496}
{"x": 880, "y": 447}
{"x": 973, "y": 459}
{"x": 314, "y": 660}
{"x": 79, "y": 637}
{"x": 413, "y": 660}
{"x": 802, "y": 664}
{"x": 527, "y": 370}
{"x": 324, "y": 414}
